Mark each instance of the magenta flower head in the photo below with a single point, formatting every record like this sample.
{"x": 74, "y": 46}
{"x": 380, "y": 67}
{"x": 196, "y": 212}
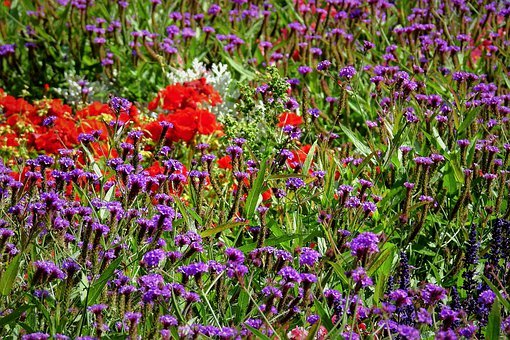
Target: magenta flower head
{"x": 364, "y": 244}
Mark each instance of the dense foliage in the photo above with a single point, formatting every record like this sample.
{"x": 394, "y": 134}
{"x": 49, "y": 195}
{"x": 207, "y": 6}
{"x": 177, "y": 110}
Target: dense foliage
{"x": 279, "y": 169}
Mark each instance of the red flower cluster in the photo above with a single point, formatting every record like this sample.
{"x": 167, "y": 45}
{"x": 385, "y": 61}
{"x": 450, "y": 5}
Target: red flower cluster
{"x": 48, "y": 125}
{"x": 183, "y": 106}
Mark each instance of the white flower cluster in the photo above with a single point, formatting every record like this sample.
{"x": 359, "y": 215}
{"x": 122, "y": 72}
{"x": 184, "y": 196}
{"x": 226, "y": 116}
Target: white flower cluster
{"x": 218, "y": 77}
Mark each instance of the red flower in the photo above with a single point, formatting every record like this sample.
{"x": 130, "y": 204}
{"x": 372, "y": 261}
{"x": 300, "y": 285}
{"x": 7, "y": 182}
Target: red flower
{"x": 266, "y": 195}
{"x": 206, "y": 122}
{"x": 289, "y": 118}
{"x": 186, "y": 95}
{"x": 299, "y": 156}
{"x": 225, "y": 162}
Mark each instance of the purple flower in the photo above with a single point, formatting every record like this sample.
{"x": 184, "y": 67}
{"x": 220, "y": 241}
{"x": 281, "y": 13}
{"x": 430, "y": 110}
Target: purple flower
{"x": 332, "y": 295}
{"x": 505, "y": 326}
{"x": 347, "y": 72}
{"x": 308, "y": 257}
{"x": 192, "y": 297}
{"x": 153, "y": 258}
{"x": 270, "y": 291}
{"x": 289, "y": 274}
{"x": 36, "y": 336}
{"x": 364, "y": 244}
{"x": 49, "y": 121}
{"x": 168, "y": 321}
{"x": 194, "y": 269}
{"x": 70, "y": 267}
{"x": 408, "y": 332}
{"x": 314, "y": 112}
{"x": 446, "y": 335}
{"x": 360, "y": 277}
{"x": 400, "y": 298}
{"x": 304, "y": 70}
{"x": 323, "y": 65}
{"x": 487, "y": 298}
{"x": 468, "y": 332}
{"x": 234, "y": 256}
{"x": 47, "y": 271}
{"x": 308, "y": 278}
{"x": 237, "y": 270}
{"x": 97, "y": 309}
{"x": 294, "y": 183}
{"x": 432, "y": 293}
{"x": 119, "y": 104}
{"x": 133, "y": 317}
{"x": 424, "y": 317}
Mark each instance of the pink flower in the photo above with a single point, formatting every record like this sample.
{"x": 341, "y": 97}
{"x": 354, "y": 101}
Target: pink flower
{"x": 298, "y": 333}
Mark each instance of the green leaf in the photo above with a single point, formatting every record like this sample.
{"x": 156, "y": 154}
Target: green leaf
{"x": 383, "y": 261}
{"x": 13, "y": 316}
{"x": 257, "y": 333}
{"x": 438, "y": 138}
{"x": 313, "y": 331}
{"x": 108, "y": 197}
{"x": 340, "y": 271}
{"x": 184, "y": 212}
{"x": 362, "y": 148}
{"x": 328, "y": 196}
{"x": 379, "y": 286}
{"x": 309, "y": 158}
{"x": 245, "y": 74}
{"x": 325, "y": 318}
{"x": 255, "y": 191}
{"x": 467, "y": 121}
{"x": 97, "y": 287}
{"x": 504, "y": 301}
{"x": 220, "y": 228}
{"x": 271, "y": 242}
{"x": 9, "y": 276}
{"x": 494, "y": 323}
